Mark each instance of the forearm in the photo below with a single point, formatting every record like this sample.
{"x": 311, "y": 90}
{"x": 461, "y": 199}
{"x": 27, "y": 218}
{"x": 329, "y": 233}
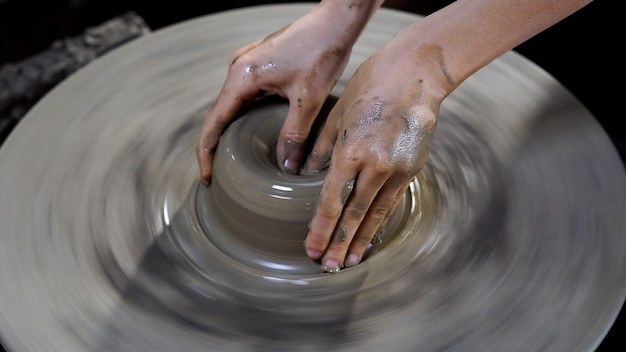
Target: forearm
{"x": 346, "y": 18}
{"x": 468, "y": 34}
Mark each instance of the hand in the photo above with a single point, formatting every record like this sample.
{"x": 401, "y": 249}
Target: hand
{"x": 379, "y": 133}
{"x": 301, "y": 62}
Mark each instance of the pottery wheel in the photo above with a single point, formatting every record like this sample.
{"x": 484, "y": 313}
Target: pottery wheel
{"x": 510, "y": 239}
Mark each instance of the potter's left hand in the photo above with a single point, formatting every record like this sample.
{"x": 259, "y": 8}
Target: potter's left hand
{"x": 301, "y": 63}
{"x": 379, "y": 134}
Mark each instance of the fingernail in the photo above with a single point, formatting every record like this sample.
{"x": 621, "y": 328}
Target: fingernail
{"x": 291, "y": 166}
{"x": 331, "y": 266}
{"x": 294, "y": 152}
{"x": 352, "y": 260}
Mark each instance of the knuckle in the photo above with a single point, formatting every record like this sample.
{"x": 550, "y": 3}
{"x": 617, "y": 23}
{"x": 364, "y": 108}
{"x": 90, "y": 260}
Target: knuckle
{"x": 208, "y": 144}
{"x": 401, "y": 170}
{"x": 327, "y": 209}
{"x": 234, "y": 57}
{"x": 429, "y": 123}
{"x": 299, "y": 135}
{"x": 355, "y": 211}
{"x": 317, "y": 241}
{"x": 381, "y": 169}
{"x": 379, "y": 213}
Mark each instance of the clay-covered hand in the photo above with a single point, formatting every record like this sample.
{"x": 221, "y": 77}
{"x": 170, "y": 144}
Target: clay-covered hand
{"x": 376, "y": 139}
{"x": 380, "y": 130}
{"x": 301, "y": 62}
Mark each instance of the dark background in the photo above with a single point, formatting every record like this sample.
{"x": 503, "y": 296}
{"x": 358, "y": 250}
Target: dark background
{"x": 581, "y": 51}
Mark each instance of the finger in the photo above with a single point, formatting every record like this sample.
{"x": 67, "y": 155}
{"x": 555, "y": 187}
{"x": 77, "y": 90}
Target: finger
{"x": 227, "y": 105}
{"x": 360, "y": 203}
{"x": 319, "y": 158}
{"x": 401, "y": 194}
{"x": 335, "y": 190}
{"x": 375, "y": 221}
{"x": 292, "y": 141}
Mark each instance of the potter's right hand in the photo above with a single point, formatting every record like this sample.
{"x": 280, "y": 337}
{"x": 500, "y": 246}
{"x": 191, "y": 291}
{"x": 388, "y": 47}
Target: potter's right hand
{"x": 301, "y": 62}
{"x": 377, "y": 138}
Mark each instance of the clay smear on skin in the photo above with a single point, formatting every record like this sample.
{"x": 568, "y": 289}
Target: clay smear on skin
{"x": 408, "y": 133}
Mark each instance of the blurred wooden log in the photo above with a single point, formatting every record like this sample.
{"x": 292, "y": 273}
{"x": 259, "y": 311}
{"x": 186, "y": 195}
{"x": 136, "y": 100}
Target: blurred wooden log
{"x": 23, "y": 83}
